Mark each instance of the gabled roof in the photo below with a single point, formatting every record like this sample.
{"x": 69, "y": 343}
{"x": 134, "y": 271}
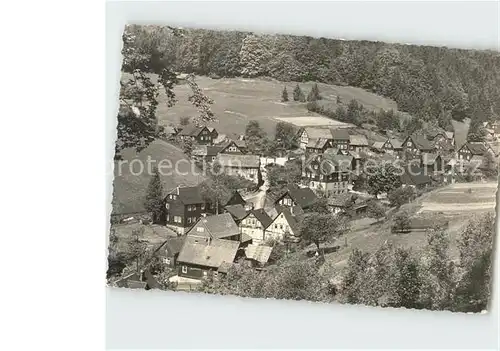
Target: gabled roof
{"x": 421, "y": 142}
{"x": 172, "y": 245}
{"x": 476, "y": 148}
{"x": 235, "y": 199}
{"x": 217, "y": 226}
{"x": 242, "y": 144}
{"x": 259, "y": 253}
{"x": 317, "y": 143}
{"x": 188, "y": 195}
{"x": 206, "y": 150}
{"x": 336, "y": 163}
{"x": 228, "y": 143}
{"x": 292, "y": 222}
{"x": 261, "y": 216}
{"x": 378, "y": 145}
{"x": 245, "y": 161}
{"x": 304, "y": 197}
{"x": 340, "y": 134}
{"x": 191, "y": 130}
{"x": 208, "y": 255}
{"x": 237, "y": 211}
{"x": 396, "y": 144}
{"x": 358, "y": 140}
{"x": 318, "y": 133}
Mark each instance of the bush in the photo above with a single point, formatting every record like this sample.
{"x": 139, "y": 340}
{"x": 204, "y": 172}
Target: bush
{"x": 401, "y": 222}
{"x": 401, "y": 196}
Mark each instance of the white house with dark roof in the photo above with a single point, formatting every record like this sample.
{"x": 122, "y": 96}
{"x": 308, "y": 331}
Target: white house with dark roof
{"x": 254, "y": 225}
{"x": 283, "y": 225}
{"x": 309, "y": 133}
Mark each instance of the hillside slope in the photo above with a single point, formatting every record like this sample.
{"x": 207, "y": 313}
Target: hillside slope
{"x": 130, "y": 186}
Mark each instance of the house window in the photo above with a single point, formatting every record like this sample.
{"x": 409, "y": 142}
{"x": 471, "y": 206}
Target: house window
{"x": 205, "y": 273}
{"x": 168, "y": 218}
{"x": 177, "y": 219}
{"x": 167, "y": 206}
{"x": 166, "y": 260}
{"x": 202, "y": 207}
{"x": 275, "y": 226}
{"x": 184, "y": 269}
{"x": 200, "y": 229}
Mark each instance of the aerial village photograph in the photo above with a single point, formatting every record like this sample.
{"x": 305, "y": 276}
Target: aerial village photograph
{"x": 300, "y": 168}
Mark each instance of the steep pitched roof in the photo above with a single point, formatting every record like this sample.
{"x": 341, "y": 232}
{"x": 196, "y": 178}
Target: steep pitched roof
{"x": 188, "y": 195}
{"x": 262, "y": 217}
{"x": 477, "y": 148}
{"x": 358, "y": 140}
{"x": 318, "y": 133}
{"x": 396, "y": 144}
{"x": 340, "y": 134}
{"x": 317, "y": 143}
{"x": 191, "y": 130}
{"x": 335, "y": 163}
{"x": 208, "y": 255}
{"x": 292, "y": 222}
{"x": 245, "y": 161}
{"x": 304, "y": 197}
{"x": 172, "y": 245}
{"x": 259, "y": 253}
{"x": 217, "y": 226}
{"x": 237, "y": 211}
{"x": 421, "y": 142}
{"x": 378, "y": 145}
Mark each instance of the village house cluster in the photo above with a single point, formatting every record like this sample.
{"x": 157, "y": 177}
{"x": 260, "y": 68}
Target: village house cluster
{"x": 208, "y": 243}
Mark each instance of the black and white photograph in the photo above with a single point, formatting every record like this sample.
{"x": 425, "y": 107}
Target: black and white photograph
{"x": 291, "y": 167}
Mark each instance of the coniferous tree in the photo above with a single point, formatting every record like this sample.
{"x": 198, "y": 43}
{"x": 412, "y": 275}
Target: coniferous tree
{"x": 154, "y": 197}
{"x": 314, "y": 93}
{"x": 298, "y": 95}
{"x": 284, "y": 95}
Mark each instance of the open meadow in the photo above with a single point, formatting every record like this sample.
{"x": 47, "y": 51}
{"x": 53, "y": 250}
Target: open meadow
{"x": 239, "y": 100}
{"x": 452, "y": 202}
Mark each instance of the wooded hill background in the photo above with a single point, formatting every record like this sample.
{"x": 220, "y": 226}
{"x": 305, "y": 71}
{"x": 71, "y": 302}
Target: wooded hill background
{"x": 431, "y": 83}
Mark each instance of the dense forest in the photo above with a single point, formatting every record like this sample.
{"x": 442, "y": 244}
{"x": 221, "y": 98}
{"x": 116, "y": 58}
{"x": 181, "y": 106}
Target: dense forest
{"x": 430, "y": 83}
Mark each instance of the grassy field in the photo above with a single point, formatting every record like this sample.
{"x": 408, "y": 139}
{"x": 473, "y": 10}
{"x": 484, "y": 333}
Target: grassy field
{"x": 238, "y": 100}
{"x": 155, "y": 235}
{"x": 130, "y": 185}
{"x": 452, "y": 202}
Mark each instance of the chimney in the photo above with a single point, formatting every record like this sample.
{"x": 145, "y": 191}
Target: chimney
{"x": 249, "y": 206}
